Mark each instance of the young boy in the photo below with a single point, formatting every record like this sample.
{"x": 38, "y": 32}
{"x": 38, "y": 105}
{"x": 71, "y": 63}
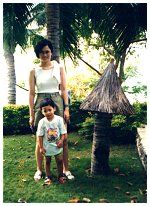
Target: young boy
{"x": 50, "y": 132}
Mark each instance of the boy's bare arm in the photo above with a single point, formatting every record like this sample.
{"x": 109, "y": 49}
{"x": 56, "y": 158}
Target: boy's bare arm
{"x": 60, "y": 142}
{"x": 40, "y": 143}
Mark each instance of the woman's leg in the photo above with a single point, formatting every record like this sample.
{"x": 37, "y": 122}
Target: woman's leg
{"x": 65, "y": 153}
{"x": 60, "y": 111}
{"x": 65, "y": 158}
{"x": 39, "y": 157}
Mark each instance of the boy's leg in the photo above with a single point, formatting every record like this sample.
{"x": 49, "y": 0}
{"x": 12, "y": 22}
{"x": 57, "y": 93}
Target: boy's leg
{"x": 47, "y": 162}
{"x": 59, "y": 161}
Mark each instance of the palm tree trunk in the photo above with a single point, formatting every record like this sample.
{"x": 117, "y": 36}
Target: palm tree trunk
{"x": 11, "y": 77}
{"x": 121, "y": 71}
{"x": 101, "y": 144}
{"x": 53, "y": 34}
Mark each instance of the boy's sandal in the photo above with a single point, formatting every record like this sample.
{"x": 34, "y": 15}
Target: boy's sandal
{"x": 37, "y": 175}
{"x": 61, "y": 180}
{"x": 69, "y": 175}
{"x": 47, "y": 181}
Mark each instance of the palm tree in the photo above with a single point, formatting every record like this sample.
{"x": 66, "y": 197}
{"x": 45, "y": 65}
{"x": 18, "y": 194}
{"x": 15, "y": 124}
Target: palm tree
{"x": 106, "y": 98}
{"x": 70, "y": 21}
{"x": 15, "y": 32}
{"x": 63, "y": 29}
{"x": 16, "y": 19}
{"x": 53, "y": 29}
{"x": 119, "y": 25}
{"x": 75, "y": 20}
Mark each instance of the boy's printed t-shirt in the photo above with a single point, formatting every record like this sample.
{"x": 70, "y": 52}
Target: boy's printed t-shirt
{"x": 51, "y": 132}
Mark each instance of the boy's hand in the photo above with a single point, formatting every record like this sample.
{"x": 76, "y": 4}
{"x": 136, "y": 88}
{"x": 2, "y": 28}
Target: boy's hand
{"x": 60, "y": 143}
{"x": 42, "y": 151}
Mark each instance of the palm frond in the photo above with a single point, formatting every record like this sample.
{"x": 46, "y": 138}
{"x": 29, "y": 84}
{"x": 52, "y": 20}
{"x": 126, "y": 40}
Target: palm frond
{"x": 15, "y": 17}
{"x": 118, "y": 24}
{"x": 70, "y": 29}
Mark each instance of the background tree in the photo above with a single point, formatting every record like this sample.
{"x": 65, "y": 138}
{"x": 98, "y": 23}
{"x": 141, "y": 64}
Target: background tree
{"x": 118, "y": 32}
{"x": 66, "y": 33}
{"x": 105, "y": 99}
{"x": 53, "y": 28}
{"x": 15, "y": 32}
{"x": 118, "y": 25}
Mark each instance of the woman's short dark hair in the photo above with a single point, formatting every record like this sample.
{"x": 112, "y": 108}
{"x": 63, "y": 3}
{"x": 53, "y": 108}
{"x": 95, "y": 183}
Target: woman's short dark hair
{"x": 44, "y": 42}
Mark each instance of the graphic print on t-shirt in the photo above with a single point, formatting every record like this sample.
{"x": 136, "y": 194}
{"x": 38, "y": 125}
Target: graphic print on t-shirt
{"x": 52, "y": 135}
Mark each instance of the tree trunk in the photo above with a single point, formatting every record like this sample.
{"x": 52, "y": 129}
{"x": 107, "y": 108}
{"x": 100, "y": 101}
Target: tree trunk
{"x": 90, "y": 66}
{"x": 101, "y": 144}
{"x": 11, "y": 76}
{"x": 121, "y": 72}
{"x": 53, "y": 34}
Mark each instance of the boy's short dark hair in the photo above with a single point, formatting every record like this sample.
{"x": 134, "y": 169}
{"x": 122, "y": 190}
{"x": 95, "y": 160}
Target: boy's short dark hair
{"x": 44, "y": 42}
{"x": 47, "y": 102}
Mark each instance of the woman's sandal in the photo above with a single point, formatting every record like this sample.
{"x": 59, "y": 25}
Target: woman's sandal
{"x": 37, "y": 175}
{"x": 69, "y": 175}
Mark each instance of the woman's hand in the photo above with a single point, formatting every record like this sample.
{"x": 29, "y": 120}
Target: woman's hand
{"x": 31, "y": 121}
{"x": 66, "y": 114}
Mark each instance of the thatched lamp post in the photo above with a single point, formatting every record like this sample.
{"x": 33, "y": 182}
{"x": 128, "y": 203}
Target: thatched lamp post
{"x": 106, "y": 98}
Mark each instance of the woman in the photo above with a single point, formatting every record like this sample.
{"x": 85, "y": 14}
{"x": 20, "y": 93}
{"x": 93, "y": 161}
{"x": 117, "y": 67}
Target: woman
{"x": 48, "y": 79}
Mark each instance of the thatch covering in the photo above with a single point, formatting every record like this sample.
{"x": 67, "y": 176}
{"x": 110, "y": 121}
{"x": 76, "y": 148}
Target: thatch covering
{"x": 107, "y": 96}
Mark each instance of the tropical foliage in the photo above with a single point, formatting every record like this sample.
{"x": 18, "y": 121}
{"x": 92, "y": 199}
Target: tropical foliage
{"x": 117, "y": 26}
{"x": 16, "y": 119}
{"x": 85, "y": 86}
{"x": 16, "y": 19}
{"x": 15, "y": 32}
{"x": 124, "y": 127}
{"x": 120, "y": 24}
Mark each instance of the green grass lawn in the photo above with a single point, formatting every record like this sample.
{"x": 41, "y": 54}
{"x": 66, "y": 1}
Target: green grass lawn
{"x": 19, "y": 167}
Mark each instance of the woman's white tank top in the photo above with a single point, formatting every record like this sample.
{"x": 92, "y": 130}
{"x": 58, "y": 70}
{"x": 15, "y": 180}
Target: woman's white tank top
{"x": 47, "y": 81}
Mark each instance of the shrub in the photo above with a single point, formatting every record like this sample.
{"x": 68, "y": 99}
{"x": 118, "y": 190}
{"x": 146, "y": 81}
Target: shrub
{"x": 87, "y": 128}
{"x": 124, "y": 128}
{"x": 132, "y": 121}
{"x": 16, "y": 119}
{"x": 81, "y": 85}
{"x": 77, "y": 116}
